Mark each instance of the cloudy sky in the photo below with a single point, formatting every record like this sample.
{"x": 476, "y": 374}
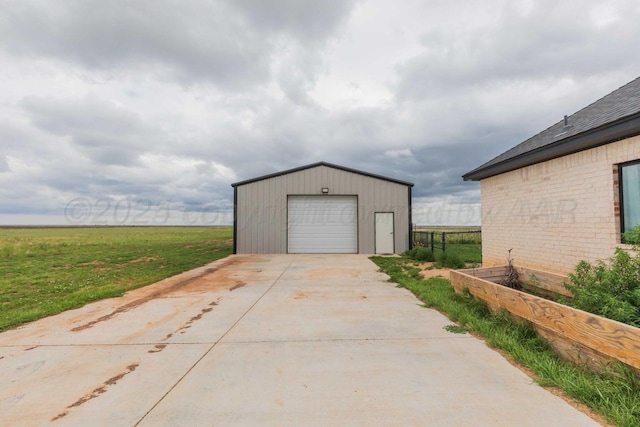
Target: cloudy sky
{"x": 144, "y": 112}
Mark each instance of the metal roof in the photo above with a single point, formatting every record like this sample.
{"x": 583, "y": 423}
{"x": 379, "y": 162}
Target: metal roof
{"x": 612, "y": 118}
{"x": 313, "y": 165}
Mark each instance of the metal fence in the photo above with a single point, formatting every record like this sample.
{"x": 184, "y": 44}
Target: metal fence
{"x": 438, "y": 239}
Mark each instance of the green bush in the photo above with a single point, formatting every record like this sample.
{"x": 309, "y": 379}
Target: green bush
{"x": 610, "y": 289}
{"x": 420, "y": 254}
{"x": 633, "y": 238}
{"x": 450, "y": 260}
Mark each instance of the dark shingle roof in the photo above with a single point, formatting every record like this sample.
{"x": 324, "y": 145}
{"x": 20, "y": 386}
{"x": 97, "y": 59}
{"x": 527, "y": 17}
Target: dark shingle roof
{"x": 611, "y": 118}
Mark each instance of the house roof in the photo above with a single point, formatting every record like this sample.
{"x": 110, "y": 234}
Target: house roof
{"x": 612, "y": 118}
{"x": 313, "y": 165}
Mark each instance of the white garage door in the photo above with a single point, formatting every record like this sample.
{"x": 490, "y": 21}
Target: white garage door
{"x": 322, "y": 224}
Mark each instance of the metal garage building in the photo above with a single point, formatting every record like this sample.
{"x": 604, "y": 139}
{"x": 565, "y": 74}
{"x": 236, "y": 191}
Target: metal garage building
{"x": 322, "y": 208}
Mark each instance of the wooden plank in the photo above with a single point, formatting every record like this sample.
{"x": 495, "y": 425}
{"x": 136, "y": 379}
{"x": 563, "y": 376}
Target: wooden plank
{"x": 485, "y": 271}
{"x": 605, "y": 336}
{"x": 572, "y": 350}
{"x": 549, "y": 281}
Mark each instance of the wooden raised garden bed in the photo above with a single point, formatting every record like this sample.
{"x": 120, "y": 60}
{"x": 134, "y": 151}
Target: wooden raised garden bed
{"x": 575, "y": 334}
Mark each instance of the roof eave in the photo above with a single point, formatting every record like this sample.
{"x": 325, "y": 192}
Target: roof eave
{"x": 313, "y": 165}
{"x": 623, "y": 128}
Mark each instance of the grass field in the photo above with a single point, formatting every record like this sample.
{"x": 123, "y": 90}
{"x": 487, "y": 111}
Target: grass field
{"x": 447, "y": 229}
{"x": 468, "y": 246}
{"x": 469, "y": 253}
{"x": 466, "y": 235}
{"x": 45, "y": 271}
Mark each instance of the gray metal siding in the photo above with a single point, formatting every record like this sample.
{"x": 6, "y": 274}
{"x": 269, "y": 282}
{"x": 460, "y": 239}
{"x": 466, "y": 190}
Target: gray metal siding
{"x": 261, "y": 211}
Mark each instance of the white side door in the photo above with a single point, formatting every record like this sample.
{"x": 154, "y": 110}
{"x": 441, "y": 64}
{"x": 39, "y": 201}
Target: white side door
{"x": 384, "y": 232}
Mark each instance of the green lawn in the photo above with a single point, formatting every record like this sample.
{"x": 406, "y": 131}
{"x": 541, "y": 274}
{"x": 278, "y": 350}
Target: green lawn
{"x": 470, "y": 253}
{"x": 44, "y": 271}
{"x": 467, "y": 246}
{"x": 453, "y": 235}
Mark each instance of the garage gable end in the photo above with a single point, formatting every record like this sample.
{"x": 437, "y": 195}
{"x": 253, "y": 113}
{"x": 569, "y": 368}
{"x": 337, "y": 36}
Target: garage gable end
{"x": 315, "y": 165}
{"x": 319, "y": 208}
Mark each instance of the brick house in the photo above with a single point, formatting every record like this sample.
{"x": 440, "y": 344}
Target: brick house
{"x": 567, "y": 193}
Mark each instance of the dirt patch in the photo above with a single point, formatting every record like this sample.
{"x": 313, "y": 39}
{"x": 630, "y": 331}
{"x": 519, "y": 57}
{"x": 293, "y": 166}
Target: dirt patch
{"x": 334, "y": 273}
{"x": 94, "y": 263}
{"x": 97, "y": 265}
{"x": 97, "y": 391}
{"x": 218, "y": 279}
{"x": 428, "y": 271}
{"x": 308, "y": 294}
{"x": 144, "y": 259}
{"x": 436, "y": 272}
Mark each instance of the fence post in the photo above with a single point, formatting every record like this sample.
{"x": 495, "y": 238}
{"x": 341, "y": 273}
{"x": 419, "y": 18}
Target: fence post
{"x": 411, "y": 236}
{"x": 443, "y": 241}
{"x": 432, "y": 239}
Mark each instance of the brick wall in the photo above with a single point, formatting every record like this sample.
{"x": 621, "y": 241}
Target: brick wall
{"x": 556, "y": 213}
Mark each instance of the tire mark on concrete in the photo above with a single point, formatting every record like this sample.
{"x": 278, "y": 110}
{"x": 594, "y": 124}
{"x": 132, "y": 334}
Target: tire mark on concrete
{"x": 237, "y": 285}
{"x": 138, "y": 302}
{"x": 157, "y": 348}
{"x": 182, "y": 329}
{"x": 96, "y": 392}
{"x": 215, "y": 343}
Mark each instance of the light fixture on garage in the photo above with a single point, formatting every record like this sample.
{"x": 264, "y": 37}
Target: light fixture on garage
{"x": 325, "y": 190}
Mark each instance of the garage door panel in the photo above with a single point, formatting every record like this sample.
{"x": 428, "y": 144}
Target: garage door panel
{"x": 322, "y": 224}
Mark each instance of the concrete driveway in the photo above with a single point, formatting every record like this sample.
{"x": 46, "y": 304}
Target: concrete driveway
{"x": 277, "y": 340}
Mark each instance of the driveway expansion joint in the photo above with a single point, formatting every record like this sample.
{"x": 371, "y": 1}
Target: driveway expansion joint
{"x": 213, "y": 345}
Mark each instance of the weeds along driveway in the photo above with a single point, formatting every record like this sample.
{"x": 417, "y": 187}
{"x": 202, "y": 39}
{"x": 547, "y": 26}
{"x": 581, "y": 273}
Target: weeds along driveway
{"x": 264, "y": 340}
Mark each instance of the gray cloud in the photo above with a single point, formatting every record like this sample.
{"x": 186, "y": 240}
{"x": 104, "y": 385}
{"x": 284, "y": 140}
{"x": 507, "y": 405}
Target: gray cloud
{"x": 553, "y": 40}
{"x": 191, "y": 41}
{"x": 227, "y": 43}
{"x": 166, "y": 103}
{"x": 307, "y": 21}
{"x": 105, "y": 133}
{"x": 66, "y": 116}
{"x": 4, "y": 165}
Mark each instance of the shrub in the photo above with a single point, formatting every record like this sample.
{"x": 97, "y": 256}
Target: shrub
{"x": 420, "y": 254}
{"x": 609, "y": 289}
{"x": 450, "y": 260}
{"x": 633, "y": 237}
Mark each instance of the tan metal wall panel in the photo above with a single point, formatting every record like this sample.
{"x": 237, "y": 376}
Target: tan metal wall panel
{"x": 261, "y": 216}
